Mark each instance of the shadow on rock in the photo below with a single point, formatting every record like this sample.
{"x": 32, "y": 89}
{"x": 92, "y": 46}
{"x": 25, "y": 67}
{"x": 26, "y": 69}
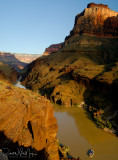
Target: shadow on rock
{"x": 10, "y": 150}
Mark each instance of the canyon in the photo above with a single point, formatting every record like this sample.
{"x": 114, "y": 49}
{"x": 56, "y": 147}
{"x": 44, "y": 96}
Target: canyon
{"x": 27, "y": 120}
{"x": 26, "y": 58}
{"x": 17, "y": 60}
{"x": 27, "y": 123}
{"x": 81, "y": 72}
{"x": 84, "y": 70}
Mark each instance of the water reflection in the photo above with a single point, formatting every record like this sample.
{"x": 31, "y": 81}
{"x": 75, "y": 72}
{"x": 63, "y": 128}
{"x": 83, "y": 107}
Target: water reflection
{"x": 77, "y": 131}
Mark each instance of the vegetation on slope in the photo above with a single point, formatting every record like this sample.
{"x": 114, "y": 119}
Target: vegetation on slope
{"x": 85, "y": 73}
{"x": 85, "y": 69}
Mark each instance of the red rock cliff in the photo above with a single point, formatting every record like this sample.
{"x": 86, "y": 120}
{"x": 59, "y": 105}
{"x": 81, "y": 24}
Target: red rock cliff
{"x": 96, "y": 19}
{"x": 27, "y": 118}
{"x": 52, "y": 48}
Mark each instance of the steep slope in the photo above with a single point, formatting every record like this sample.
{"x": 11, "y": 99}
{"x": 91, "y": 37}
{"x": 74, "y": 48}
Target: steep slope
{"x": 11, "y": 60}
{"x": 96, "y": 19}
{"x": 27, "y": 120}
{"x": 85, "y": 69}
{"x": 8, "y": 73}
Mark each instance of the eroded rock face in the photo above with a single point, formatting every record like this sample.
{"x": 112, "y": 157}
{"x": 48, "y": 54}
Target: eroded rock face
{"x": 52, "y": 48}
{"x": 96, "y": 19}
{"x": 97, "y": 5}
{"x": 86, "y": 67}
{"x": 27, "y": 118}
{"x": 85, "y": 54}
{"x": 16, "y": 60}
{"x": 26, "y": 58}
{"x": 11, "y": 60}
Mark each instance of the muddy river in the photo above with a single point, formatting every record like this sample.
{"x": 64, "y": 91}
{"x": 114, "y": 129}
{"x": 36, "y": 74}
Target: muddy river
{"x": 79, "y": 133}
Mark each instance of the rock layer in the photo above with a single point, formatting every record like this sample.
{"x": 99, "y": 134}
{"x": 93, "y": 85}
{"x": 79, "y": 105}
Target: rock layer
{"x": 26, "y": 58}
{"x": 85, "y": 70}
{"x": 27, "y": 118}
{"x": 52, "y": 48}
{"x": 96, "y": 19}
{"x": 16, "y": 60}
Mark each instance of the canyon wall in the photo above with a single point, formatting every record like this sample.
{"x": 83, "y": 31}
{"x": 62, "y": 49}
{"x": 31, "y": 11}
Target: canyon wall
{"x": 26, "y": 58}
{"x": 27, "y": 120}
{"x": 52, "y": 48}
{"x": 85, "y": 70}
{"x": 18, "y": 61}
{"x": 84, "y": 54}
{"x": 96, "y": 19}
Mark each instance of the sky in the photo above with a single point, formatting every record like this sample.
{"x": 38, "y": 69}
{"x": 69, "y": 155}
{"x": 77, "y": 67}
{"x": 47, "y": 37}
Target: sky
{"x": 30, "y": 26}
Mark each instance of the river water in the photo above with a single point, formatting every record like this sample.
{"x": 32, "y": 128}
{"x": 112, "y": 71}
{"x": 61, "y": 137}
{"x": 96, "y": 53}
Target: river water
{"x": 18, "y": 84}
{"x": 79, "y": 133}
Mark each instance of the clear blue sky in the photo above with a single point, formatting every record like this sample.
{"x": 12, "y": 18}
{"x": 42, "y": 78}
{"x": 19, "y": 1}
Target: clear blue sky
{"x": 29, "y": 26}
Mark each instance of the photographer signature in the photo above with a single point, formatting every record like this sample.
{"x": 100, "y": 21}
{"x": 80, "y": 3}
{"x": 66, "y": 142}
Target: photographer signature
{"x": 20, "y": 153}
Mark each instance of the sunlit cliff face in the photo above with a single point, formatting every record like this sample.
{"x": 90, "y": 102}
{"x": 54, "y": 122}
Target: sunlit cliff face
{"x": 27, "y": 118}
{"x": 96, "y": 19}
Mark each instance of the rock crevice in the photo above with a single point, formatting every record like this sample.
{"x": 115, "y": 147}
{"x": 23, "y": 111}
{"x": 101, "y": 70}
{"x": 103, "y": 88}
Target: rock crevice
{"x": 28, "y": 119}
